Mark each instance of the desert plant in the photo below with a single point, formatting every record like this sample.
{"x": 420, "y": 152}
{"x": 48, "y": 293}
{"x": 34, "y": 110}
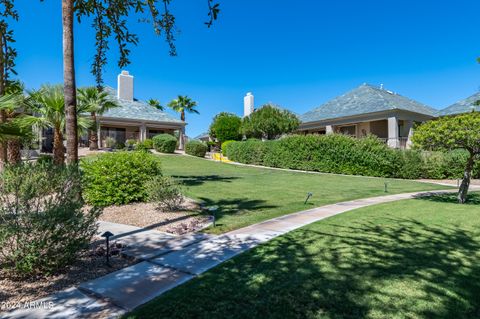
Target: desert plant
{"x": 166, "y": 192}
{"x": 110, "y": 142}
{"x": 118, "y": 178}
{"x": 164, "y": 143}
{"x": 196, "y": 148}
{"x": 43, "y": 225}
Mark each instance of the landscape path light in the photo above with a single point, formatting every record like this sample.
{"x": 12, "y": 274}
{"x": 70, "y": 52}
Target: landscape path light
{"x": 308, "y": 197}
{"x": 107, "y": 236}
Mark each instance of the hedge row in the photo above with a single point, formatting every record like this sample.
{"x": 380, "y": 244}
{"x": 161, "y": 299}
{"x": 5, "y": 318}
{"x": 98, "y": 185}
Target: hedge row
{"x": 342, "y": 154}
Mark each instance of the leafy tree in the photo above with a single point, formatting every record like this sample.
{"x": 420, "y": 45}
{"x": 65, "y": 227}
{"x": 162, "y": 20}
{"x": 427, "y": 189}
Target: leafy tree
{"x": 449, "y": 133}
{"x": 269, "y": 122}
{"x": 48, "y": 105}
{"x": 226, "y": 127}
{"x": 156, "y": 104}
{"x": 110, "y": 22}
{"x": 97, "y": 103}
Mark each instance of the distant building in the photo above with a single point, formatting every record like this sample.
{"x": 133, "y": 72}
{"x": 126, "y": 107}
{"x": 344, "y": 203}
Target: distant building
{"x": 462, "y": 106}
{"x": 368, "y": 110}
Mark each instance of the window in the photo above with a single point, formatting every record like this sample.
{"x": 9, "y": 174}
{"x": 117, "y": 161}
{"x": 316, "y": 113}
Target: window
{"x": 348, "y": 130}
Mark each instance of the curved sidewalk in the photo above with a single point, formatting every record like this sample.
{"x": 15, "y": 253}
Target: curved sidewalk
{"x": 131, "y": 287}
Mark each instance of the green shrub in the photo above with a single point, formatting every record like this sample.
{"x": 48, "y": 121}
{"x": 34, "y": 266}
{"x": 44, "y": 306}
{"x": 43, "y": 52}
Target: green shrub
{"x": 251, "y": 151}
{"x": 147, "y": 143}
{"x": 410, "y": 164}
{"x": 164, "y": 143}
{"x": 43, "y": 225}
{"x": 130, "y": 142}
{"x": 118, "y": 178}
{"x": 225, "y": 146}
{"x": 196, "y": 148}
{"x": 165, "y": 192}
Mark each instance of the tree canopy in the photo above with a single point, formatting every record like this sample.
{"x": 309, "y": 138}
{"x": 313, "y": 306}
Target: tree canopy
{"x": 226, "y": 127}
{"x": 449, "y": 133}
{"x": 269, "y": 122}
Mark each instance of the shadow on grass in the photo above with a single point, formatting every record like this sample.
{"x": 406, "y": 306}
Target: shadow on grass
{"x": 235, "y": 206}
{"x": 451, "y": 198}
{"x": 189, "y": 180}
{"x": 397, "y": 268}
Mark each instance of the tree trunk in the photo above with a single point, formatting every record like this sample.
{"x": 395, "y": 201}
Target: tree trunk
{"x": 14, "y": 153}
{"x": 467, "y": 175}
{"x": 3, "y": 115}
{"x": 182, "y": 115}
{"x": 69, "y": 82}
{"x": 58, "y": 148}
{"x": 93, "y": 133}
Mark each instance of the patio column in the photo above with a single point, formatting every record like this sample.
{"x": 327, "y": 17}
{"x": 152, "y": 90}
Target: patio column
{"x": 393, "y": 134}
{"x": 329, "y": 129}
{"x": 143, "y": 132}
{"x": 409, "y": 132}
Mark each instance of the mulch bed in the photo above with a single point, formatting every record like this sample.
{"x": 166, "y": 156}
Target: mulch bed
{"x": 148, "y": 215}
{"x": 90, "y": 264}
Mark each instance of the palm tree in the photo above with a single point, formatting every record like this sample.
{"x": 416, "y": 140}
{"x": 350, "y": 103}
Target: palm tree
{"x": 156, "y": 104}
{"x": 97, "y": 103}
{"x": 48, "y": 105}
{"x": 16, "y": 89}
{"x": 10, "y": 133}
{"x": 183, "y": 104}
{"x": 69, "y": 93}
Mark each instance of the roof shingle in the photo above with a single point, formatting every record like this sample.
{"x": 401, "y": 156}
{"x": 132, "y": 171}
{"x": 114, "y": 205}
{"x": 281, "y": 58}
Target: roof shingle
{"x": 462, "y": 106}
{"x": 137, "y": 110}
{"x": 363, "y": 100}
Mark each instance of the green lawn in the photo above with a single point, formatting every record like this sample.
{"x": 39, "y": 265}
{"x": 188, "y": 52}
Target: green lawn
{"x": 247, "y": 195}
{"x": 409, "y": 259}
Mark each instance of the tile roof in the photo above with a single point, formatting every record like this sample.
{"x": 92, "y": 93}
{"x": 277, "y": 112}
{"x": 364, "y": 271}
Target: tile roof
{"x": 203, "y": 135}
{"x": 137, "y": 110}
{"x": 363, "y": 100}
{"x": 462, "y": 106}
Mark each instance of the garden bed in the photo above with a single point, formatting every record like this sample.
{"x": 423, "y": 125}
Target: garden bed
{"x": 89, "y": 265}
{"x": 147, "y": 215}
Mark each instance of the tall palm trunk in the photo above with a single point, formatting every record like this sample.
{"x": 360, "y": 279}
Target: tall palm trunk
{"x": 58, "y": 148}
{"x": 69, "y": 82}
{"x": 93, "y": 132}
{"x": 14, "y": 153}
{"x": 3, "y": 115}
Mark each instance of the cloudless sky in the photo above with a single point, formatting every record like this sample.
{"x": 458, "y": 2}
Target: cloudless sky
{"x": 295, "y": 53}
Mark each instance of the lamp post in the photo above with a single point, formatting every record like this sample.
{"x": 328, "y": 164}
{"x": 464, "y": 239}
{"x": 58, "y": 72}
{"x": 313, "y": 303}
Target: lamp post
{"x": 213, "y": 212}
{"x": 386, "y": 187}
{"x": 107, "y": 236}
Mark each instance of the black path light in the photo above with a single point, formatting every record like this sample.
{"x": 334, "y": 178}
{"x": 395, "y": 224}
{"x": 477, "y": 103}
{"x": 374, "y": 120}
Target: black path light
{"x": 308, "y": 197}
{"x": 213, "y": 212}
{"x": 386, "y": 187}
{"x": 107, "y": 236}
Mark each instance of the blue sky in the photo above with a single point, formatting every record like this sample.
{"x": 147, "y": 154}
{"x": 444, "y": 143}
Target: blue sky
{"x": 295, "y": 53}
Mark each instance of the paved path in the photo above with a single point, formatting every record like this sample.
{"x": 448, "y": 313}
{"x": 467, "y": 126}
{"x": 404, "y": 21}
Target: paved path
{"x": 165, "y": 269}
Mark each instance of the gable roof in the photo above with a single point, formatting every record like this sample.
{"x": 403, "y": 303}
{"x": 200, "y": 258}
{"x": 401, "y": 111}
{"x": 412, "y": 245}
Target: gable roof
{"x": 203, "y": 135}
{"x": 462, "y": 106}
{"x": 136, "y": 110}
{"x": 363, "y": 100}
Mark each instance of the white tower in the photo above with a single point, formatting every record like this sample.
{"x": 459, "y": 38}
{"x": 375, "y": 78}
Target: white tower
{"x": 248, "y": 104}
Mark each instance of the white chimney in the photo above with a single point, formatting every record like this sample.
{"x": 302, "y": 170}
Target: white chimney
{"x": 125, "y": 86}
{"x": 248, "y": 104}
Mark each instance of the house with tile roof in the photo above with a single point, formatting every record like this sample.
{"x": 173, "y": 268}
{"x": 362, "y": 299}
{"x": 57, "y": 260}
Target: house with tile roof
{"x": 463, "y": 106}
{"x": 135, "y": 119}
{"x": 368, "y": 110}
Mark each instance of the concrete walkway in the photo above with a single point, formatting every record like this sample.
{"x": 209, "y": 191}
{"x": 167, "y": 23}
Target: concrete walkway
{"x": 161, "y": 271}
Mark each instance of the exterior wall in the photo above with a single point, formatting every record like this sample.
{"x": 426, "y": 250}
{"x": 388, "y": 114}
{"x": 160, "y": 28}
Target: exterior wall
{"x": 379, "y": 128}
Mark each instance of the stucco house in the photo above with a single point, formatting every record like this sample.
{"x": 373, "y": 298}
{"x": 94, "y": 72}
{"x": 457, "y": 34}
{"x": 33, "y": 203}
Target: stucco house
{"x": 135, "y": 119}
{"x": 368, "y": 110}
